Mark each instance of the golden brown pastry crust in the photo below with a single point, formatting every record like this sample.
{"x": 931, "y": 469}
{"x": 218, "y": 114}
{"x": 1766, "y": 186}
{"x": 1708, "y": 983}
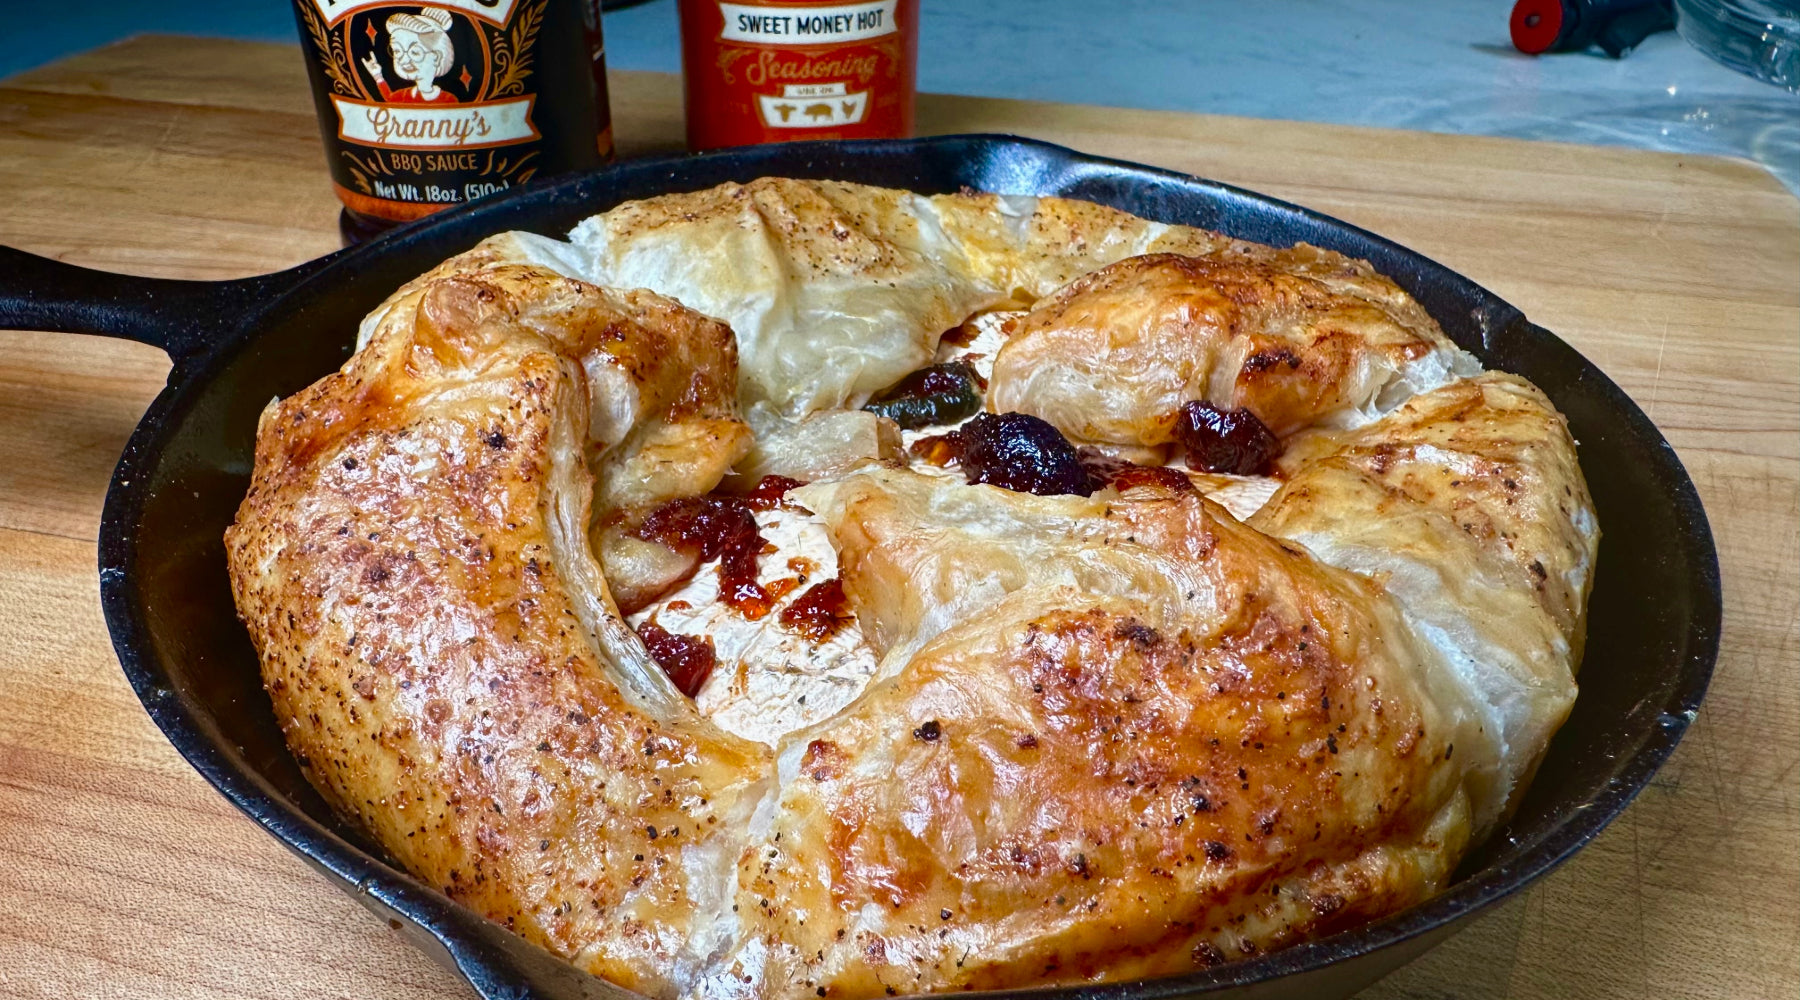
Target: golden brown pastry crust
{"x": 1150, "y": 739}
{"x": 411, "y": 584}
{"x": 838, "y": 290}
{"x": 1111, "y": 356}
{"x": 1467, "y": 503}
{"x": 1109, "y": 736}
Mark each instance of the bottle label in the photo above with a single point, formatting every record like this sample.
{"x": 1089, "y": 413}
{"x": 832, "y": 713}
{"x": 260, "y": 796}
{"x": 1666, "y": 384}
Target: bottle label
{"x": 495, "y": 123}
{"x": 809, "y": 26}
{"x": 773, "y": 70}
{"x": 429, "y": 105}
{"x": 812, "y": 105}
{"x": 492, "y": 11}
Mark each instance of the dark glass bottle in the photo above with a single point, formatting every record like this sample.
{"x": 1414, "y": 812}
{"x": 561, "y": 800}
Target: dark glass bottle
{"x": 428, "y": 105}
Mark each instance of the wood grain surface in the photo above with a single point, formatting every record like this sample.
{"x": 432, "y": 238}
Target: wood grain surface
{"x": 123, "y": 874}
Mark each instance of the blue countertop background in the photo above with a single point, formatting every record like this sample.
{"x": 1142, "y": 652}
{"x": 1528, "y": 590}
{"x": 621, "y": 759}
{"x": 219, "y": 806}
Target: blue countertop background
{"x": 1444, "y": 66}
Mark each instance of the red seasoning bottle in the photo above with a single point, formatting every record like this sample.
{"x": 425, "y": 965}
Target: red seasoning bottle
{"x": 428, "y": 105}
{"x": 779, "y": 70}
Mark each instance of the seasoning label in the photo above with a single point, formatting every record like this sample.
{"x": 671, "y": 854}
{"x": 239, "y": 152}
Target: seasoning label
{"x": 813, "y": 105}
{"x": 428, "y": 105}
{"x": 793, "y": 69}
{"x": 808, "y": 25}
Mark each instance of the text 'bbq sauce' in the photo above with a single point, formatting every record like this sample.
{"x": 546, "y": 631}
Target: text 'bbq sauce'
{"x": 780, "y": 70}
{"x": 428, "y": 105}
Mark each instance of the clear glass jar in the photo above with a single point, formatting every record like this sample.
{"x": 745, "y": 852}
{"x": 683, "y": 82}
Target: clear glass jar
{"x": 1760, "y": 38}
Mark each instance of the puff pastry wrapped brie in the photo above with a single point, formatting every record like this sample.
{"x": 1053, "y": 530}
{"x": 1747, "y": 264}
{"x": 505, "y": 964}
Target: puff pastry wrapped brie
{"x": 1046, "y": 738}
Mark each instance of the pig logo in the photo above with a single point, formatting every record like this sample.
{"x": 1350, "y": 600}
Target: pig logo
{"x": 812, "y": 106}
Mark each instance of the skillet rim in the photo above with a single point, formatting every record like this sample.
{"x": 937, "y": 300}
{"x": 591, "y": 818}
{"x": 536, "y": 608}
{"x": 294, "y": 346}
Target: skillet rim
{"x": 495, "y": 967}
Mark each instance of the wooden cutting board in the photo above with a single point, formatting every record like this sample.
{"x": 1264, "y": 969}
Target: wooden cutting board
{"x": 123, "y": 874}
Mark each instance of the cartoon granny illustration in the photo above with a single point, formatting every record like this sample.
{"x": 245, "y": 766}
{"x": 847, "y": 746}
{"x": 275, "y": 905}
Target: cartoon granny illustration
{"x": 421, "y": 49}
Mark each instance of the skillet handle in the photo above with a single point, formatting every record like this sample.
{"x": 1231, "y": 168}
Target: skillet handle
{"x": 183, "y": 318}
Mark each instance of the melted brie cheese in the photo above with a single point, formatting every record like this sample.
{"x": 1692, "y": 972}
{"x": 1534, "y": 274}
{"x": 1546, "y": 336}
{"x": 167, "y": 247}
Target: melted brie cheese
{"x": 770, "y": 680}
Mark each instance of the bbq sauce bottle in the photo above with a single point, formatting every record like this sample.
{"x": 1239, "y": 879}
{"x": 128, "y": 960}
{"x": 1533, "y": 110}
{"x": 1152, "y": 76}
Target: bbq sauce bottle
{"x": 775, "y": 70}
{"x": 428, "y": 105}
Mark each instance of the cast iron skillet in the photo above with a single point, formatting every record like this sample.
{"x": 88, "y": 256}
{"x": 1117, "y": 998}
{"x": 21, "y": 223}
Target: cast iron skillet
{"x": 1653, "y": 620}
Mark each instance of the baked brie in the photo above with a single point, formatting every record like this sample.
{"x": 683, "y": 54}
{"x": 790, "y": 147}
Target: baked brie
{"x": 799, "y": 589}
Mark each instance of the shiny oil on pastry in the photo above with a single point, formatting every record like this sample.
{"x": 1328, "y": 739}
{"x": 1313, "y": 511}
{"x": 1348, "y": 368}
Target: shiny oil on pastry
{"x": 799, "y": 589}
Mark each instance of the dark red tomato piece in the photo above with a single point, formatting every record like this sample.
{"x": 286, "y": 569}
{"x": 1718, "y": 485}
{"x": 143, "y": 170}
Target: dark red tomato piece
{"x": 769, "y": 492}
{"x": 721, "y": 528}
{"x": 819, "y": 613}
{"x": 1017, "y": 451}
{"x": 1232, "y": 441}
{"x": 687, "y": 659}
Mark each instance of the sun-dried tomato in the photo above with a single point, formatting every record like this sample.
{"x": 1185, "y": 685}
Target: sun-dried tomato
{"x": 819, "y": 613}
{"x": 769, "y": 492}
{"x": 721, "y": 528}
{"x": 1232, "y": 441}
{"x": 687, "y": 659}
{"x": 1021, "y": 452}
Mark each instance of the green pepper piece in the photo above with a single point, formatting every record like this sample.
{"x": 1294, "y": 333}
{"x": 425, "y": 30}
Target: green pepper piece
{"x": 940, "y": 394}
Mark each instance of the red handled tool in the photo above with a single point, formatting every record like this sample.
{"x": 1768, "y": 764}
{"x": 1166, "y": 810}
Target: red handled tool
{"x": 1616, "y": 26}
